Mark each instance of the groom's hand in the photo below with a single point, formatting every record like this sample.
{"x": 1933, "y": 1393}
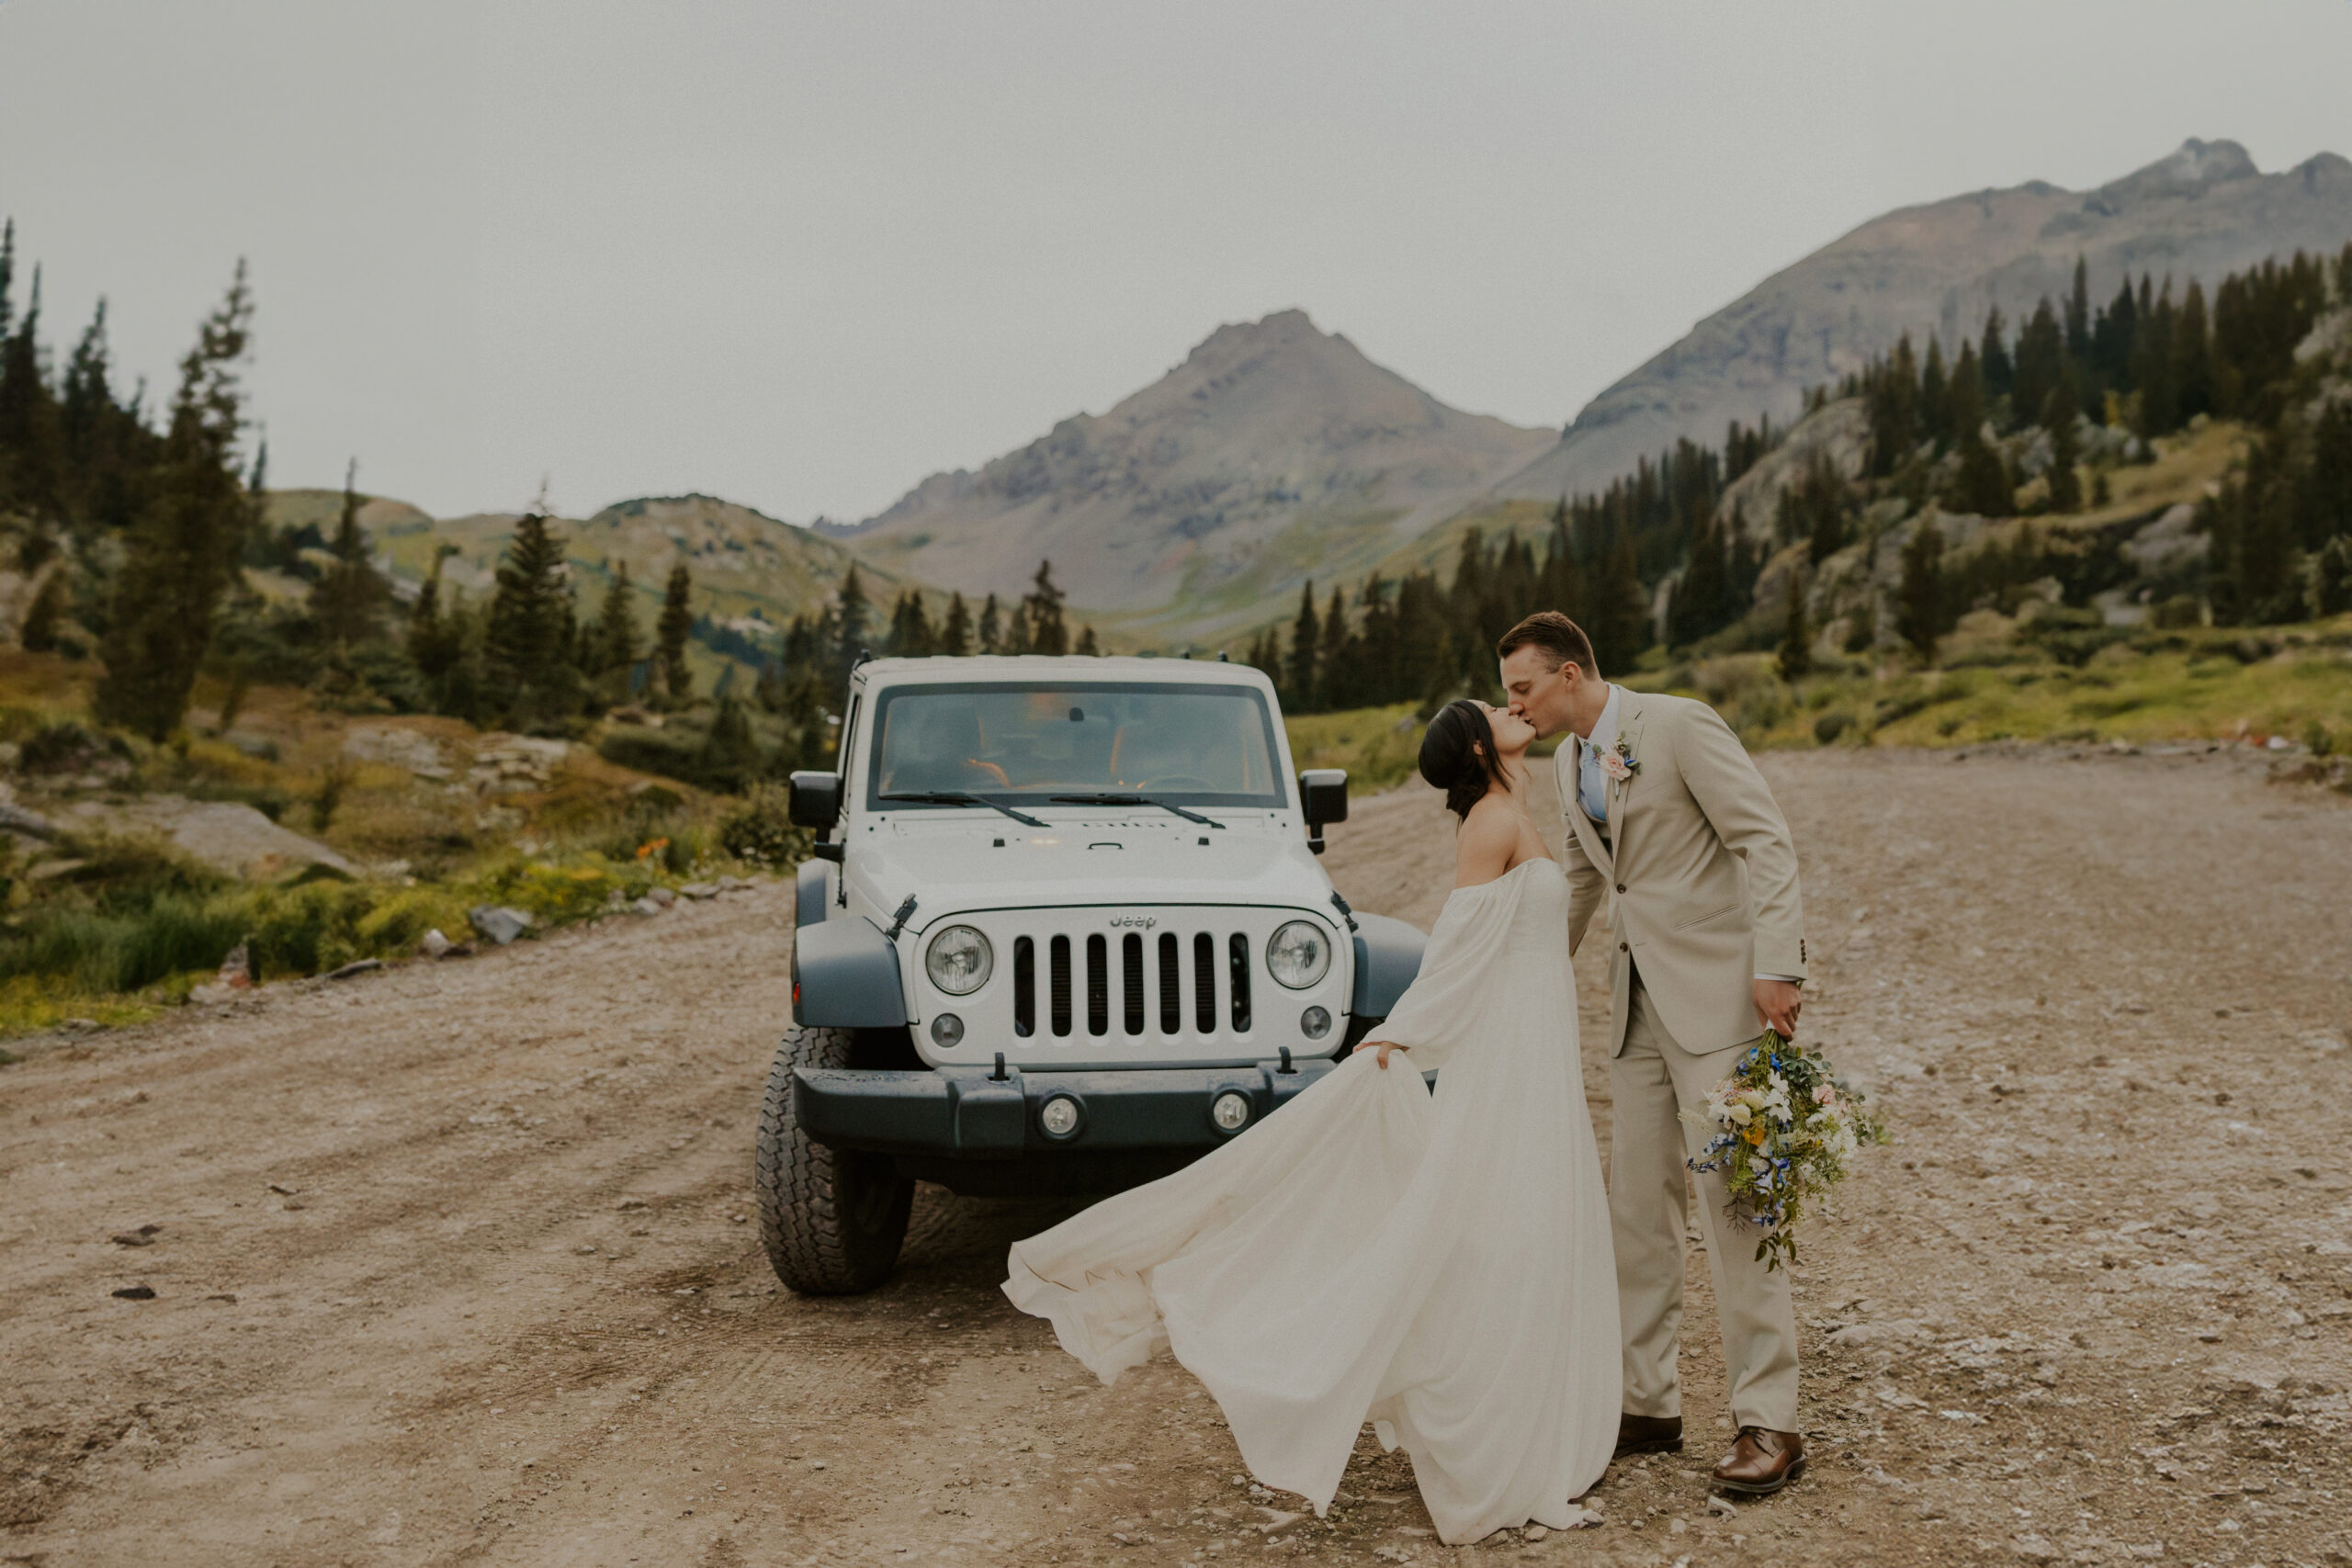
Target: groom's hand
{"x": 1777, "y": 1002}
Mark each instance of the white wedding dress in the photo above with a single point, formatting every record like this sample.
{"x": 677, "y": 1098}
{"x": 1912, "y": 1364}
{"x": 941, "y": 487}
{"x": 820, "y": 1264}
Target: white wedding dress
{"x": 1437, "y": 1263}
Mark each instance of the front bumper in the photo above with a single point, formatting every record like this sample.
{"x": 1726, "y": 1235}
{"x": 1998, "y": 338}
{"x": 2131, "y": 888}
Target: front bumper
{"x": 968, "y": 1113}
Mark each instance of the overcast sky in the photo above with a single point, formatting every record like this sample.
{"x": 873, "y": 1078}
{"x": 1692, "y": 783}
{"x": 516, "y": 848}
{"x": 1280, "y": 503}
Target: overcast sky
{"x": 802, "y": 256}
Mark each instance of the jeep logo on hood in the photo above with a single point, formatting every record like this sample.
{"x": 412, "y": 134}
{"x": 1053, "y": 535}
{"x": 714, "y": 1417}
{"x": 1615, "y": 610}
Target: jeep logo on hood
{"x": 1140, "y": 923}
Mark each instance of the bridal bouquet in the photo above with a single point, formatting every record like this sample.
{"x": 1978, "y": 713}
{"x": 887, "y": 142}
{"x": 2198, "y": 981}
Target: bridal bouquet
{"x": 1784, "y": 1129}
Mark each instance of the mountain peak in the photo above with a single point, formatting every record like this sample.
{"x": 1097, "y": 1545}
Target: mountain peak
{"x": 2195, "y": 167}
{"x": 1271, "y": 429}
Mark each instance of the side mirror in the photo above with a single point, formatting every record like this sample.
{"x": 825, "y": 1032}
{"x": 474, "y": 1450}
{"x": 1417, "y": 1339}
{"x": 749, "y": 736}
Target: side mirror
{"x": 1322, "y": 800}
{"x": 816, "y": 800}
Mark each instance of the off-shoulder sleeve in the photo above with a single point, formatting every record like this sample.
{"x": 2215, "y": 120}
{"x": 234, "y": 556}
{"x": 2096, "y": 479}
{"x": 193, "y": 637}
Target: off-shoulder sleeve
{"x": 1442, "y": 1009}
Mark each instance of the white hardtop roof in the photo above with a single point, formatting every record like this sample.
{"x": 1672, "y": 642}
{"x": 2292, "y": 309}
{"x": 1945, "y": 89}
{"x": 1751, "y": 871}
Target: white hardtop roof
{"x": 1069, "y": 667}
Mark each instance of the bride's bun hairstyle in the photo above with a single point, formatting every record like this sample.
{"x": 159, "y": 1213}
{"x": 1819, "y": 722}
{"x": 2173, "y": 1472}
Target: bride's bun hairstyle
{"x": 1458, "y": 755}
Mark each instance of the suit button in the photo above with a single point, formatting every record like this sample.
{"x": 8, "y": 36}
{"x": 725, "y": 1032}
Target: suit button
{"x": 1620, "y": 887}
{"x": 1622, "y": 948}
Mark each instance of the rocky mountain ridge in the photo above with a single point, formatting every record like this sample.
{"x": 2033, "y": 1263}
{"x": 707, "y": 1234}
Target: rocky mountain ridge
{"x": 1273, "y": 452}
{"x": 2203, "y": 211}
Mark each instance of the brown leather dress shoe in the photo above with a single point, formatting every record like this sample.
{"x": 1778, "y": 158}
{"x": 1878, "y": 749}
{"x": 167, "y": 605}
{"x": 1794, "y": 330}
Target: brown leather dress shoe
{"x": 1761, "y": 1461}
{"x": 1649, "y": 1435}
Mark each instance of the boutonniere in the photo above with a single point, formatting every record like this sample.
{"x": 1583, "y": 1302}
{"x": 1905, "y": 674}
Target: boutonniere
{"x": 1620, "y": 763}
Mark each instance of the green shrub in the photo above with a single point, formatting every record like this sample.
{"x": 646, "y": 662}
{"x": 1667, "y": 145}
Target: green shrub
{"x": 1830, "y": 726}
{"x": 760, "y": 830}
{"x": 123, "y": 952}
{"x": 399, "y": 921}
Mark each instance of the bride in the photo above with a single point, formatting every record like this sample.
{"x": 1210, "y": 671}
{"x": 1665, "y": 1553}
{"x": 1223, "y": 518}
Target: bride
{"x": 1437, "y": 1263}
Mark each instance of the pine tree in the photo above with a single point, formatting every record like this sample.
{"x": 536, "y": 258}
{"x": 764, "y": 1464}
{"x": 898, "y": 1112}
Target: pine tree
{"x": 1919, "y": 601}
{"x": 2041, "y": 362}
{"x": 1894, "y": 408}
{"x": 676, "y": 623}
{"x": 1047, "y": 635}
{"x": 850, "y": 617}
{"x": 730, "y": 758}
{"x": 2328, "y": 584}
{"x": 1964, "y": 404}
{"x": 613, "y": 640}
{"x": 348, "y": 601}
{"x": 1335, "y": 671}
{"x": 1619, "y": 626}
{"x": 2058, "y": 415}
{"x": 2324, "y": 493}
{"x": 2078, "y": 314}
{"x": 1087, "y": 646}
{"x": 911, "y": 633}
{"x": 2193, "y": 356}
{"x": 182, "y": 556}
{"x": 1562, "y": 578}
{"x": 992, "y": 627}
{"x": 956, "y": 632}
{"x": 1701, "y": 598}
{"x": 1935, "y": 396}
{"x": 1795, "y": 657}
{"x": 1993, "y": 356}
{"x": 30, "y": 458}
{"x": 436, "y": 635}
{"x": 1298, "y": 688}
{"x": 528, "y": 645}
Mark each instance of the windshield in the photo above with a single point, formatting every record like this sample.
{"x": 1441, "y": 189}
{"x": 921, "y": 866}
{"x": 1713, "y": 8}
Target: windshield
{"x": 1206, "y": 745}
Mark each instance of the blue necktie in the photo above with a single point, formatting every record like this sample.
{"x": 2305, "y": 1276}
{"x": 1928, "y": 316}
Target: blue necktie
{"x": 1592, "y": 786}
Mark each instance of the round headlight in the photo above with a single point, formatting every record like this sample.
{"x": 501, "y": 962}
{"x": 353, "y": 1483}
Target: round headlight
{"x": 958, "y": 960}
{"x": 1229, "y": 1110}
{"x": 1299, "y": 954}
{"x": 1314, "y": 1023}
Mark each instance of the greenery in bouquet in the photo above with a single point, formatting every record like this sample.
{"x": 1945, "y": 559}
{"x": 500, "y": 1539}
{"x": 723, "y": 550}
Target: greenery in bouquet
{"x": 1783, "y": 1128}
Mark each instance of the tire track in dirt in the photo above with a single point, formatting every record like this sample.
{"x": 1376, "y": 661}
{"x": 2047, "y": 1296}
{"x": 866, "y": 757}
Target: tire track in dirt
{"x": 516, "y": 1319}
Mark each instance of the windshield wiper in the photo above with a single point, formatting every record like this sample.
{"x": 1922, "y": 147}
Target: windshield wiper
{"x": 954, "y": 797}
{"x": 1137, "y": 800}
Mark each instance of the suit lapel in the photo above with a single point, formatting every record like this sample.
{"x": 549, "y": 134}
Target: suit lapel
{"x": 1620, "y": 791}
{"x": 1571, "y": 788}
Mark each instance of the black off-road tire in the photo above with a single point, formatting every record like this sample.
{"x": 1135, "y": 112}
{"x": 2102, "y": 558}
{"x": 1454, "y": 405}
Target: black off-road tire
{"x": 832, "y": 1221}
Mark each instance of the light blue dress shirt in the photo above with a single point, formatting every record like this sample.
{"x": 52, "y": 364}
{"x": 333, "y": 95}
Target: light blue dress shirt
{"x": 1592, "y": 784}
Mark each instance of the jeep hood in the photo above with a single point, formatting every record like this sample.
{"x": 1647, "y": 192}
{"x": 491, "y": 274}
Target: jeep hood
{"x": 951, "y": 868}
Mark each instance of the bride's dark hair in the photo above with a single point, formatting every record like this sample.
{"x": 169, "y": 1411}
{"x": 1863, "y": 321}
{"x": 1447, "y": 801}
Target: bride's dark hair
{"x": 1458, "y": 755}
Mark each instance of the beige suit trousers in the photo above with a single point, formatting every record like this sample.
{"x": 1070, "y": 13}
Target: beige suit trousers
{"x": 1650, "y": 1082}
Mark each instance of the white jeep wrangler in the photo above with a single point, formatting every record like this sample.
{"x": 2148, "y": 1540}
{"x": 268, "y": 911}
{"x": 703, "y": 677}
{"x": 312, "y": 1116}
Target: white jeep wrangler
{"x": 1064, "y": 932}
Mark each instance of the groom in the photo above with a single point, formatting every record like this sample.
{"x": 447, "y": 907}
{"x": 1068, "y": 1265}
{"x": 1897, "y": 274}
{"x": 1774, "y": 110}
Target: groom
{"x": 1674, "y": 839}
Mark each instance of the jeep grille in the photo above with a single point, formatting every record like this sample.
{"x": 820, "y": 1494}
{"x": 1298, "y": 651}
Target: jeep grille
{"x": 1156, "y": 970}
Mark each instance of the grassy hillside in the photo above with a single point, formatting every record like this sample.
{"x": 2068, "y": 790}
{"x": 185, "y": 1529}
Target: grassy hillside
{"x": 128, "y": 871}
{"x": 1999, "y": 682}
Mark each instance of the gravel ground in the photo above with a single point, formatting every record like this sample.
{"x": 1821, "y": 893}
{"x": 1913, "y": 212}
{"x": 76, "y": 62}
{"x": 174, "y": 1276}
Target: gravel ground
{"x": 451, "y": 1263}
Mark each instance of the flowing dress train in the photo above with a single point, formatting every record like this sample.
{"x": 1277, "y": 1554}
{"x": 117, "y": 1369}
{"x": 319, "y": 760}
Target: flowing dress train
{"x": 1436, "y": 1263}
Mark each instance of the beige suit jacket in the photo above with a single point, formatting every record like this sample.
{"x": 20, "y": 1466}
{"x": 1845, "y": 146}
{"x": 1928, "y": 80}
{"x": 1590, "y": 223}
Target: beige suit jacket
{"x": 1698, "y": 883}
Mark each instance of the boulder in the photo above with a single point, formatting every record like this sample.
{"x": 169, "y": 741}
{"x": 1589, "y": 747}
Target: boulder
{"x": 500, "y": 924}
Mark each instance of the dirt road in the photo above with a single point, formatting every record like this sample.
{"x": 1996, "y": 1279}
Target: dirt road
{"x": 452, "y": 1262}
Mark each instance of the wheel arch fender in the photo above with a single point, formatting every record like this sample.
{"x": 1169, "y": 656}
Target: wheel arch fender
{"x": 809, "y": 895}
{"x": 845, "y": 975}
{"x": 1388, "y": 956}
